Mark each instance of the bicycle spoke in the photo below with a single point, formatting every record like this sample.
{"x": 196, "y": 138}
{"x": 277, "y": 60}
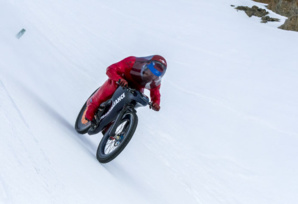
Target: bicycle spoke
{"x": 114, "y": 142}
{"x": 120, "y": 127}
{"x": 110, "y": 144}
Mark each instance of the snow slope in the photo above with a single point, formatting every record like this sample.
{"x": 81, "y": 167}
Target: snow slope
{"x": 227, "y": 131}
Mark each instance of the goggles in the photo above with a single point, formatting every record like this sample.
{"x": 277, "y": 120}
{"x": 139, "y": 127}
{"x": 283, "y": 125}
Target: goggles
{"x": 156, "y": 68}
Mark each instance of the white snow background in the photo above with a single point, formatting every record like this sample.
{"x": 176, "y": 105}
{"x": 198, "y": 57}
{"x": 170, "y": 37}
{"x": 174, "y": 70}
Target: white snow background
{"x": 227, "y": 131}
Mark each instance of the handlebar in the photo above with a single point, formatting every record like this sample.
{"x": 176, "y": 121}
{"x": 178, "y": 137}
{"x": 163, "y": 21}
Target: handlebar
{"x": 132, "y": 90}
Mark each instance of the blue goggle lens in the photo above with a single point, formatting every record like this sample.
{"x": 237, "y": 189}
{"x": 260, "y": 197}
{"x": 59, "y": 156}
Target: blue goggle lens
{"x": 152, "y": 68}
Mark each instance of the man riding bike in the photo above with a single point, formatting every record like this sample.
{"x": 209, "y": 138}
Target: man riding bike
{"x": 135, "y": 72}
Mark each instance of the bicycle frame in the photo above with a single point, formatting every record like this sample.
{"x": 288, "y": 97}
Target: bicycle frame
{"x": 123, "y": 100}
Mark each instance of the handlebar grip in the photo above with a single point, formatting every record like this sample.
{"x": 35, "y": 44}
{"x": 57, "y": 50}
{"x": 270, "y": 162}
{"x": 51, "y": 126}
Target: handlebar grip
{"x": 119, "y": 83}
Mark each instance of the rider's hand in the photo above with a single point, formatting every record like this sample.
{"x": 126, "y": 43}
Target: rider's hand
{"x": 155, "y": 106}
{"x": 123, "y": 82}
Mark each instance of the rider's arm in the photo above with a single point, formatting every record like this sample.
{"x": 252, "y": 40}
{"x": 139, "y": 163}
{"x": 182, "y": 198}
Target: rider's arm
{"x": 155, "y": 94}
{"x": 116, "y": 71}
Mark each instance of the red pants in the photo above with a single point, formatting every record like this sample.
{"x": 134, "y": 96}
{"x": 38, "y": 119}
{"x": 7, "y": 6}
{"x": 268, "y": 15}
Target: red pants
{"x": 104, "y": 93}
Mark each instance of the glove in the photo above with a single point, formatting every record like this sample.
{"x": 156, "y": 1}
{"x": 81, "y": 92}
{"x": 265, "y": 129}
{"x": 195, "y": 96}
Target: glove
{"x": 123, "y": 82}
{"x": 155, "y": 107}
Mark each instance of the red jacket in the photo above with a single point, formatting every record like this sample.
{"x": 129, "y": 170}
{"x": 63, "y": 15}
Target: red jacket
{"x": 123, "y": 70}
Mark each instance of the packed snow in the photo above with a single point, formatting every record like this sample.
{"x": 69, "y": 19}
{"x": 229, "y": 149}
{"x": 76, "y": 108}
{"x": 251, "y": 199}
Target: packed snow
{"x": 227, "y": 131}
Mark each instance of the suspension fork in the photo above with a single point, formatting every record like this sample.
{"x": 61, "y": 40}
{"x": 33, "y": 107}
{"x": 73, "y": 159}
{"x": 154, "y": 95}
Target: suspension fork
{"x": 126, "y": 108}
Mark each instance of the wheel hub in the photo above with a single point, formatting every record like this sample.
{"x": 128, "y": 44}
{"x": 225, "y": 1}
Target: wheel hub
{"x": 118, "y": 139}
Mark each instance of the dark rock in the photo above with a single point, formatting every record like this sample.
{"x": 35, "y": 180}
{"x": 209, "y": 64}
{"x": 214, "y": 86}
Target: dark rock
{"x": 249, "y": 12}
{"x": 259, "y": 12}
{"x": 242, "y": 8}
{"x": 254, "y": 11}
{"x": 284, "y": 7}
{"x": 291, "y": 24}
{"x": 288, "y": 8}
{"x": 265, "y": 19}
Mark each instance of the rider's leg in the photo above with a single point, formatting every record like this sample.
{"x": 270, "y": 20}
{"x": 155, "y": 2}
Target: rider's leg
{"x": 102, "y": 94}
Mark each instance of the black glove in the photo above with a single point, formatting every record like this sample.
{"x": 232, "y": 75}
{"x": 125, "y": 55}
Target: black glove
{"x": 155, "y": 106}
{"x": 123, "y": 82}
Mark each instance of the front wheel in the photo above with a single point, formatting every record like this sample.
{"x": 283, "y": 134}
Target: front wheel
{"x": 111, "y": 146}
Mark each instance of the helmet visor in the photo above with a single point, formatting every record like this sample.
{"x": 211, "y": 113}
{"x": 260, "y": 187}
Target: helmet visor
{"x": 157, "y": 68}
{"x": 151, "y": 73}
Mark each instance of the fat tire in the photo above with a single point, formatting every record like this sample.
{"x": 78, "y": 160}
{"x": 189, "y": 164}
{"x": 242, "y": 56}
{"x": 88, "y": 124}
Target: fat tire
{"x": 101, "y": 157}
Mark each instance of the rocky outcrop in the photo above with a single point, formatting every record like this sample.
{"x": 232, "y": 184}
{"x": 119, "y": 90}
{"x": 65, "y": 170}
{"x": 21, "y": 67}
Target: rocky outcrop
{"x": 284, "y": 7}
{"x": 291, "y": 24}
{"x": 254, "y": 11}
{"x": 287, "y": 8}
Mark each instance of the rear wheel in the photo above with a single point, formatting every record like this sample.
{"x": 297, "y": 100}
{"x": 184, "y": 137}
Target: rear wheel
{"x": 79, "y": 126}
{"x": 111, "y": 146}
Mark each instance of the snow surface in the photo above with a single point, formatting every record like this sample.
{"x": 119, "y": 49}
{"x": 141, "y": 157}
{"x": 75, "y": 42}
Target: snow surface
{"x": 227, "y": 131}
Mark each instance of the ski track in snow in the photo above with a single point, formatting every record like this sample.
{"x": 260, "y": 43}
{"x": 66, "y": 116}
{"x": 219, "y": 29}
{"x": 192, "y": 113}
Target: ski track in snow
{"x": 15, "y": 106}
{"x": 223, "y": 105}
{"x": 203, "y": 164}
{"x": 5, "y": 195}
{"x": 62, "y": 121}
{"x": 23, "y": 150}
